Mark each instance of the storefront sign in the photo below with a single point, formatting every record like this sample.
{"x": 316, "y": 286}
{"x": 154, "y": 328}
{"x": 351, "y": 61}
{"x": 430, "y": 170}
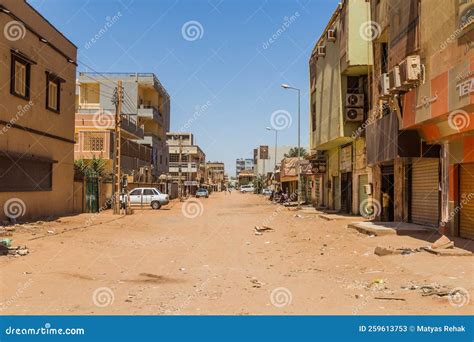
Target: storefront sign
{"x": 466, "y": 87}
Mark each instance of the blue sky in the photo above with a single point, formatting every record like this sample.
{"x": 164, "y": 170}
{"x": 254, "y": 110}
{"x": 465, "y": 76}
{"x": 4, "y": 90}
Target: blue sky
{"x": 230, "y": 65}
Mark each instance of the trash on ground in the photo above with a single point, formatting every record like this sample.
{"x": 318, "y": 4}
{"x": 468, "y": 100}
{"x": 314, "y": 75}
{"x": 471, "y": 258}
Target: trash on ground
{"x": 19, "y": 250}
{"x": 390, "y": 298}
{"x": 383, "y": 251}
{"x": 6, "y": 242}
{"x": 263, "y": 229}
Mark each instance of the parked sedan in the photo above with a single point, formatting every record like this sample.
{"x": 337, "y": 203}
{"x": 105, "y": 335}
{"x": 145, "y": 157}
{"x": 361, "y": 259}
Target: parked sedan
{"x": 148, "y": 196}
{"x": 266, "y": 192}
{"x": 247, "y": 188}
{"x": 202, "y": 193}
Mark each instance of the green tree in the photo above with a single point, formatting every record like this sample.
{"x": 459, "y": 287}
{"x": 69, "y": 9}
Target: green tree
{"x": 91, "y": 168}
{"x": 293, "y": 152}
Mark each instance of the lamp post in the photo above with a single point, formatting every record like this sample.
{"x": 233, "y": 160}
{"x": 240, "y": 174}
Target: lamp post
{"x": 286, "y": 86}
{"x": 276, "y": 147}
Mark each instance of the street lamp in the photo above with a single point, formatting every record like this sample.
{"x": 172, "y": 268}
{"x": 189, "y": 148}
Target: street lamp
{"x": 276, "y": 147}
{"x": 286, "y": 86}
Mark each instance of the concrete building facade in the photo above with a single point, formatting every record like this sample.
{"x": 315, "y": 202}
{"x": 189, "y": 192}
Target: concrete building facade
{"x": 339, "y": 103}
{"x": 146, "y": 104}
{"x": 38, "y": 71}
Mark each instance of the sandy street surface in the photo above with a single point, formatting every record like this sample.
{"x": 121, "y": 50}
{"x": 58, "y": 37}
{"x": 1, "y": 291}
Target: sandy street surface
{"x": 167, "y": 262}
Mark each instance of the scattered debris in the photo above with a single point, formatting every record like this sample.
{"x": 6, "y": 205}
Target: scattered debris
{"x": 442, "y": 242}
{"x": 6, "y": 242}
{"x": 50, "y": 231}
{"x": 383, "y": 251}
{"x": 256, "y": 283}
{"x": 447, "y": 251}
{"x": 19, "y": 250}
{"x": 261, "y": 229}
{"x": 298, "y": 216}
{"x": 390, "y": 298}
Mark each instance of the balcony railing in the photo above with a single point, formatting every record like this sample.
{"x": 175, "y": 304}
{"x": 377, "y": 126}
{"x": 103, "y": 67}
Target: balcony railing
{"x": 105, "y": 119}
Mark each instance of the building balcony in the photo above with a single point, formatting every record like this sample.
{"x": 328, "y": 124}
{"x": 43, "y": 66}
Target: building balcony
{"x": 149, "y": 112}
{"x": 99, "y": 119}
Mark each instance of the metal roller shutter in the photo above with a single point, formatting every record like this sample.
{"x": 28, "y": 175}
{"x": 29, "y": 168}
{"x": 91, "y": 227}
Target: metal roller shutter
{"x": 363, "y": 181}
{"x": 466, "y": 224}
{"x": 425, "y": 192}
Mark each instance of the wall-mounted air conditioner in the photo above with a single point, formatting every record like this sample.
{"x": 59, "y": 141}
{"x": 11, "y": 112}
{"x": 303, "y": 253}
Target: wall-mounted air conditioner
{"x": 354, "y": 100}
{"x": 354, "y": 114}
{"x": 384, "y": 85}
{"x": 321, "y": 51}
{"x": 331, "y": 35}
{"x": 394, "y": 80}
{"x": 410, "y": 71}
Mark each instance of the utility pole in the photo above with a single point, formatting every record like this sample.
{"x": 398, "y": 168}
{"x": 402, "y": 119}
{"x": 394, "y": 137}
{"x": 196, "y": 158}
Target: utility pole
{"x": 180, "y": 189}
{"x": 118, "y": 97}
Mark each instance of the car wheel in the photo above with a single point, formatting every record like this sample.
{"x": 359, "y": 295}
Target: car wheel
{"x": 155, "y": 205}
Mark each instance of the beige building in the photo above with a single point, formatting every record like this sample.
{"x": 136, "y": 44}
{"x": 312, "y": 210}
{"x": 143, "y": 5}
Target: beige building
{"x": 193, "y": 161}
{"x": 146, "y": 116}
{"x": 38, "y": 70}
{"x": 215, "y": 175}
{"x": 339, "y": 104}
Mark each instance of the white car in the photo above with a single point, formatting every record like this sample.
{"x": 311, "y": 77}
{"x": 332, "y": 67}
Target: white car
{"x": 148, "y": 196}
{"x": 247, "y": 188}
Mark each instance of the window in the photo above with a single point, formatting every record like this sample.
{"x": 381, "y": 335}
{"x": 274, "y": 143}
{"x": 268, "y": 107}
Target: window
{"x": 384, "y": 57}
{"x": 20, "y": 77}
{"x": 53, "y": 92}
{"x": 93, "y": 142}
{"x": 136, "y": 192}
{"x": 25, "y": 174}
{"x": 148, "y": 192}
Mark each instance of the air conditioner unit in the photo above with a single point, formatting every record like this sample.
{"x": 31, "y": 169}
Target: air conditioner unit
{"x": 410, "y": 71}
{"x": 321, "y": 51}
{"x": 394, "y": 80}
{"x": 331, "y": 35}
{"x": 354, "y": 100}
{"x": 384, "y": 85}
{"x": 354, "y": 114}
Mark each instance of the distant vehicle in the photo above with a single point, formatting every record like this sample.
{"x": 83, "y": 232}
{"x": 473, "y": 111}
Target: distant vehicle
{"x": 266, "y": 192}
{"x": 247, "y": 188}
{"x": 202, "y": 193}
{"x": 148, "y": 196}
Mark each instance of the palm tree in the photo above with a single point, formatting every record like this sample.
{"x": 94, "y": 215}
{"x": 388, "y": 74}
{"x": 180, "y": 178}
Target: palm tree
{"x": 293, "y": 152}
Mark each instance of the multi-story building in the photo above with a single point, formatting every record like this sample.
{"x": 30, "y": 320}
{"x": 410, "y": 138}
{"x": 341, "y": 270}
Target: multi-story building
{"x": 421, "y": 140}
{"x": 146, "y": 104}
{"x": 242, "y": 164}
{"x": 95, "y": 136}
{"x": 339, "y": 103}
{"x": 38, "y": 70}
{"x": 193, "y": 161}
{"x": 216, "y": 175}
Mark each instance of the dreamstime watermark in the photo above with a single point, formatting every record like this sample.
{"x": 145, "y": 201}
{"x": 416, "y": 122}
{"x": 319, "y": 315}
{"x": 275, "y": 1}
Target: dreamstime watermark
{"x": 281, "y": 297}
{"x": 358, "y": 132}
{"x": 14, "y": 208}
{"x": 370, "y": 30}
{"x": 192, "y": 208}
{"x": 192, "y": 30}
{"x": 458, "y": 208}
{"x": 21, "y": 111}
{"x": 16, "y": 295}
{"x": 269, "y": 219}
{"x": 199, "y": 111}
{"x": 190, "y": 298}
{"x": 47, "y": 329}
{"x": 459, "y": 297}
{"x": 370, "y": 207}
{"x": 456, "y": 33}
{"x": 103, "y": 120}
{"x": 287, "y": 21}
{"x": 109, "y": 22}
{"x": 281, "y": 119}
{"x": 103, "y": 296}
{"x": 106, "y": 205}
{"x": 459, "y": 120}
{"x": 14, "y": 30}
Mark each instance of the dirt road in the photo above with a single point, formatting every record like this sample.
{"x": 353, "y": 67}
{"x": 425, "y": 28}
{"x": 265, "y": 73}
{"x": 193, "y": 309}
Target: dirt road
{"x": 203, "y": 257}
